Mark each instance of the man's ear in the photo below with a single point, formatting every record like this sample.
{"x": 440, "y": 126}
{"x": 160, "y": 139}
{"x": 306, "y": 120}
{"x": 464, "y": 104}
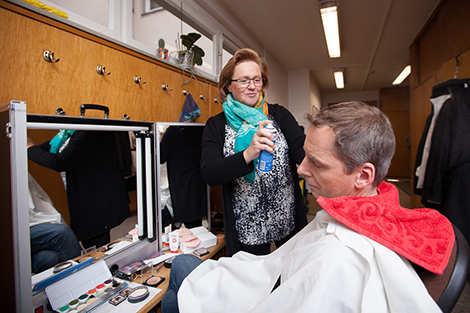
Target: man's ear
{"x": 365, "y": 176}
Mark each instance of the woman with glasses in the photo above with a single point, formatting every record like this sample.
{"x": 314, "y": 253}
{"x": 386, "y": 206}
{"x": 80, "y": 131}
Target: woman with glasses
{"x": 259, "y": 207}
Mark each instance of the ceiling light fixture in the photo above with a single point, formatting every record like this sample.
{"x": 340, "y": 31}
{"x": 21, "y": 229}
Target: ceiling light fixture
{"x": 329, "y": 17}
{"x": 339, "y": 77}
{"x": 403, "y": 75}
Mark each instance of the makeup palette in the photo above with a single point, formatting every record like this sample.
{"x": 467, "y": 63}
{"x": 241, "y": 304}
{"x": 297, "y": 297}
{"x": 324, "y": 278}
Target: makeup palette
{"x": 128, "y": 271}
{"x": 73, "y": 304}
{"x": 83, "y": 298}
{"x": 81, "y": 306}
{"x": 154, "y": 281}
{"x": 62, "y": 266}
{"x": 138, "y": 294}
{"x": 117, "y": 299}
{"x": 91, "y": 292}
{"x": 108, "y": 282}
{"x": 169, "y": 261}
{"x": 100, "y": 289}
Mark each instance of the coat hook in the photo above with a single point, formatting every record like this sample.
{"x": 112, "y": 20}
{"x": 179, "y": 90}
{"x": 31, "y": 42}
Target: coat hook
{"x": 202, "y": 97}
{"x": 100, "y": 69}
{"x": 138, "y": 80}
{"x": 126, "y": 117}
{"x": 165, "y": 87}
{"x": 185, "y": 92}
{"x": 60, "y": 111}
{"x": 49, "y": 56}
{"x": 216, "y": 100}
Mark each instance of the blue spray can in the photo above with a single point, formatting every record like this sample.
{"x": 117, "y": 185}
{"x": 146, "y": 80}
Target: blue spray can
{"x": 265, "y": 162}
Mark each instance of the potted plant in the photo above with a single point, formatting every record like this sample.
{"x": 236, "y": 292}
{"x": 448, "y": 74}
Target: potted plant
{"x": 192, "y": 54}
{"x": 162, "y": 52}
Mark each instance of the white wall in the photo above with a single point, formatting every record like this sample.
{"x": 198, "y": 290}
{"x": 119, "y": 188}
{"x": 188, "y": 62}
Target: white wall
{"x": 303, "y": 95}
{"x": 315, "y": 95}
{"x": 278, "y": 83}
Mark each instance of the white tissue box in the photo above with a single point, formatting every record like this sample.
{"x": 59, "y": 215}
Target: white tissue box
{"x": 207, "y": 238}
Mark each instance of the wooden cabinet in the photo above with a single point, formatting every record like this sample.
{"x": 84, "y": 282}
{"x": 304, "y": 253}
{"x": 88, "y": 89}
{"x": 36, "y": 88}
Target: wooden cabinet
{"x": 74, "y": 80}
{"x": 433, "y": 59}
{"x": 216, "y": 104}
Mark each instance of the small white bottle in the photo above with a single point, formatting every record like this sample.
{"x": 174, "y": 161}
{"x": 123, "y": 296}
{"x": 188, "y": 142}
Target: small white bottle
{"x": 174, "y": 242}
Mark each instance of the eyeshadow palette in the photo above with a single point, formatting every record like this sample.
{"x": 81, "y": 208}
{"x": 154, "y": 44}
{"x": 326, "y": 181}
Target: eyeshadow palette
{"x": 138, "y": 294}
{"x": 62, "y": 266}
{"x": 154, "y": 281}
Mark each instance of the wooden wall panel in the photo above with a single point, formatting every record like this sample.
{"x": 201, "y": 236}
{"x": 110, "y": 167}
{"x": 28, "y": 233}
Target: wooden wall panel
{"x": 432, "y": 57}
{"x": 429, "y": 61}
{"x": 454, "y": 25}
{"x": 395, "y": 103}
{"x": 74, "y": 80}
{"x": 216, "y": 104}
{"x": 420, "y": 108}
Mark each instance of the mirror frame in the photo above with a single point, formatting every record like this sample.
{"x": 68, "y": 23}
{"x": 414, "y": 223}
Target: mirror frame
{"x": 157, "y": 152}
{"x": 19, "y": 122}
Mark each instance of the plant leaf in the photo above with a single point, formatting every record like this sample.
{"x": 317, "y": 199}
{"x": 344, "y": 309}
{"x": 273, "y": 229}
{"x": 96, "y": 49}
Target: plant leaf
{"x": 198, "y": 54}
{"x": 189, "y": 39}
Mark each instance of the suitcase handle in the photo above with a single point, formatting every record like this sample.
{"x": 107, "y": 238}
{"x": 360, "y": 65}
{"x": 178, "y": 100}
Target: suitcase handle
{"x": 84, "y": 107}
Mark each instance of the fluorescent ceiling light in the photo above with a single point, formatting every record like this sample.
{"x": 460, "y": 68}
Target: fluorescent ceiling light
{"x": 329, "y": 17}
{"x": 402, "y": 76}
{"x": 339, "y": 78}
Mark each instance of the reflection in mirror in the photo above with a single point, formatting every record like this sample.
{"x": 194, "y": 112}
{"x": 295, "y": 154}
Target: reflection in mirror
{"x": 92, "y": 191}
{"x": 183, "y": 194}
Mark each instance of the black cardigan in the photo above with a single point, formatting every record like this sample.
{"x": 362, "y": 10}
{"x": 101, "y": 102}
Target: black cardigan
{"x": 219, "y": 170}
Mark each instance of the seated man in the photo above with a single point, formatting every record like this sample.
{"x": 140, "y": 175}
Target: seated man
{"x": 52, "y": 241}
{"x": 353, "y": 257}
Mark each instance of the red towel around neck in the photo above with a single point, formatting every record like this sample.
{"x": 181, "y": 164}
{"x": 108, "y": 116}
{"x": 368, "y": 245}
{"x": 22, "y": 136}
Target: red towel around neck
{"x": 423, "y": 236}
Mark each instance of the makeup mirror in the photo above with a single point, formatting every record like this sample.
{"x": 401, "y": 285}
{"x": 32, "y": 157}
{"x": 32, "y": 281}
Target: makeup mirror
{"x": 15, "y": 194}
{"x": 183, "y": 196}
{"x": 100, "y": 176}
{"x": 132, "y": 144}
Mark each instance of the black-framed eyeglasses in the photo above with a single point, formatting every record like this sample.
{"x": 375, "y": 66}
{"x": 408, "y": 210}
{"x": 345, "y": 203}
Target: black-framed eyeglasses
{"x": 245, "y": 82}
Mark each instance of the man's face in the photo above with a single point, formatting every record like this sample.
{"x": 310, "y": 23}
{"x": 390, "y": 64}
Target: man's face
{"x": 323, "y": 171}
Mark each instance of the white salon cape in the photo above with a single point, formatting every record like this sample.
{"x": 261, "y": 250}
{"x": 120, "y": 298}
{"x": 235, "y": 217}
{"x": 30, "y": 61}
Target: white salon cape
{"x": 327, "y": 267}
{"x": 41, "y": 208}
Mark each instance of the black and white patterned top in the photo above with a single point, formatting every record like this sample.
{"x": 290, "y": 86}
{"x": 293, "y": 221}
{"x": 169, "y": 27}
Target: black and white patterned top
{"x": 264, "y": 210}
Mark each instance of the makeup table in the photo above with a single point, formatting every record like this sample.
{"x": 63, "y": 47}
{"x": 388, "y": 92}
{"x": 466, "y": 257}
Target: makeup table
{"x": 216, "y": 252}
{"x": 152, "y": 305}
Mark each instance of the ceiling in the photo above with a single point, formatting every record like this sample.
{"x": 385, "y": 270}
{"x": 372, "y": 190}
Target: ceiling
{"x": 375, "y": 37}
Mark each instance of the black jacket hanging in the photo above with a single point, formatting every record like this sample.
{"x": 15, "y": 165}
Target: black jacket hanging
{"x": 446, "y": 181}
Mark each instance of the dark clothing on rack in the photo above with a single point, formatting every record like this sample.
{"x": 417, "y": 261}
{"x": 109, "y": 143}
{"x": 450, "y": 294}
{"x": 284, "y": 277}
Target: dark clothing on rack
{"x": 96, "y": 191}
{"x": 220, "y": 170}
{"x": 446, "y": 182}
{"x": 180, "y": 147}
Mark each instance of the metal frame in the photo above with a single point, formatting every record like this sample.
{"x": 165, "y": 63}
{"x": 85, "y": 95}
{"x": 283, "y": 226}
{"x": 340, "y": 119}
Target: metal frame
{"x": 16, "y": 131}
{"x": 159, "y": 204}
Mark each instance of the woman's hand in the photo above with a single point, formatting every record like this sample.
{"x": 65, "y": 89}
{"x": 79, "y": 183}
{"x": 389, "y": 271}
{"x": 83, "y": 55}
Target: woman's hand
{"x": 262, "y": 140}
{"x": 30, "y": 142}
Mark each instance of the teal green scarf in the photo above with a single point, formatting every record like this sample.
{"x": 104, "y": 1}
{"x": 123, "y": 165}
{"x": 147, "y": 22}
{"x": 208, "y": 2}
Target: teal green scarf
{"x": 59, "y": 139}
{"x": 244, "y": 120}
